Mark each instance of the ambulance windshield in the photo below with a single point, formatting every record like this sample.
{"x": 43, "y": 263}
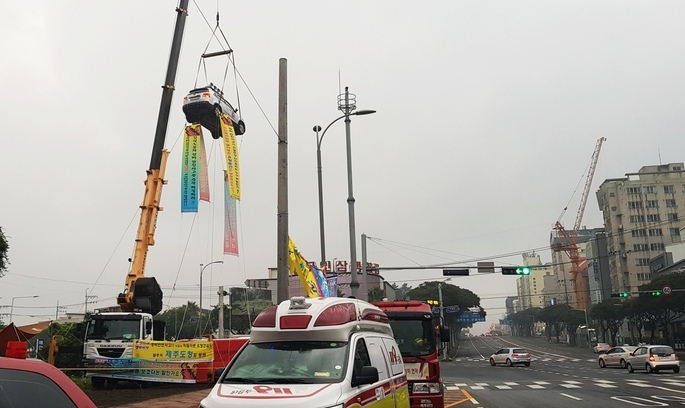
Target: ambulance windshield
{"x": 414, "y": 337}
{"x": 286, "y": 362}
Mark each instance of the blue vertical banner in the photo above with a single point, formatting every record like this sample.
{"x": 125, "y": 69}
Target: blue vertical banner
{"x": 230, "y": 221}
{"x": 190, "y": 168}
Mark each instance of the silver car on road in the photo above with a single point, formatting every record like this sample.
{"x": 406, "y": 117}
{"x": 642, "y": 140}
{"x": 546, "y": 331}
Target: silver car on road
{"x": 652, "y": 359}
{"x": 616, "y": 356}
{"x": 510, "y": 356}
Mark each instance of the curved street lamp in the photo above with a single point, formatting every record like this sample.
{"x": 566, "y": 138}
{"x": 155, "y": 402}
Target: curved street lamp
{"x": 202, "y": 269}
{"x": 18, "y": 297}
{"x": 319, "y": 139}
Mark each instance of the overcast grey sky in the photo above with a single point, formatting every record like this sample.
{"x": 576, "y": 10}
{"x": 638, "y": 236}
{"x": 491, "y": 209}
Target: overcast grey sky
{"x": 488, "y": 114}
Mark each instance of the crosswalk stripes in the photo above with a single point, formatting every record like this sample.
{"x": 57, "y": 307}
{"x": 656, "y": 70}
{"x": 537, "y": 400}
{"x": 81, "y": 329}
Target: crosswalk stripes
{"x": 567, "y": 384}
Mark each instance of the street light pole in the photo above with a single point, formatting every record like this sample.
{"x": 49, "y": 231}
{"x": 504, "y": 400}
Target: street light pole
{"x": 442, "y": 318}
{"x": 202, "y": 269}
{"x": 319, "y": 139}
{"x": 18, "y": 297}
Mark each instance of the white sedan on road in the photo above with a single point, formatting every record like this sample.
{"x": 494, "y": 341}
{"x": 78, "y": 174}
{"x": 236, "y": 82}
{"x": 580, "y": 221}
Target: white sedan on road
{"x": 616, "y": 356}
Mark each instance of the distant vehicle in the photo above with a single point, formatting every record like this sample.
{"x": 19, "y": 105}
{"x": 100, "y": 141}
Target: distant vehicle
{"x": 510, "y": 357}
{"x": 616, "y": 356}
{"x": 35, "y": 383}
{"x": 204, "y": 106}
{"x": 652, "y": 359}
{"x": 601, "y": 348}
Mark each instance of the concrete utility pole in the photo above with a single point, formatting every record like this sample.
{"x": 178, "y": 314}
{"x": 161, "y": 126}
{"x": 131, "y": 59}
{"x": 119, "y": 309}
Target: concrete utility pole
{"x": 282, "y": 228}
{"x": 221, "y": 294}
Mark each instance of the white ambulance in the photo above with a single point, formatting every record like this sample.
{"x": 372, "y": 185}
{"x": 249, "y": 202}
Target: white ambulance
{"x": 315, "y": 353}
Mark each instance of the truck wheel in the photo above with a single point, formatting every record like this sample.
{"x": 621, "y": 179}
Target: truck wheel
{"x": 97, "y": 382}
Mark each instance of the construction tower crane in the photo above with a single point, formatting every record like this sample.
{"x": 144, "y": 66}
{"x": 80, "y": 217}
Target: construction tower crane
{"x": 580, "y": 284}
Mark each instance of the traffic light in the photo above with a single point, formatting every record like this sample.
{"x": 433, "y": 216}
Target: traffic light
{"x": 656, "y": 293}
{"x": 620, "y": 294}
{"x": 516, "y": 270}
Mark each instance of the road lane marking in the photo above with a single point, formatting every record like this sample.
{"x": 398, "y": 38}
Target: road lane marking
{"x": 570, "y": 386}
{"x": 541, "y": 382}
{"x": 606, "y": 385}
{"x": 571, "y": 396}
{"x": 473, "y": 400}
{"x": 536, "y": 387}
{"x": 503, "y": 387}
{"x": 511, "y": 383}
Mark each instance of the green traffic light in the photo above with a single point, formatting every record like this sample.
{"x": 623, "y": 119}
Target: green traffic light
{"x": 656, "y": 293}
{"x": 523, "y": 270}
{"x": 624, "y": 294}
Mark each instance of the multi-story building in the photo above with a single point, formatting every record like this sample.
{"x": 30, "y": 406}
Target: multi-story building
{"x": 599, "y": 278}
{"x": 531, "y": 288}
{"x": 641, "y": 217}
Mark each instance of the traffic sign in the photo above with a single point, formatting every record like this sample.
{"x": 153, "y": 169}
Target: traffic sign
{"x": 436, "y": 310}
{"x": 666, "y": 290}
{"x": 452, "y": 309}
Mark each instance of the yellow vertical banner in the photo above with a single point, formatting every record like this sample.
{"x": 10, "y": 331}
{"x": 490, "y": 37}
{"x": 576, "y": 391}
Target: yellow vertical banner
{"x": 231, "y": 153}
{"x": 298, "y": 265}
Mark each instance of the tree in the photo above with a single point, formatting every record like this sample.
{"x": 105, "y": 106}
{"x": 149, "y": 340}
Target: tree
{"x": 523, "y": 322}
{"x": 181, "y": 322}
{"x": 554, "y": 318}
{"x": 376, "y": 294}
{"x": 401, "y": 292}
{"x": 609, "y": 314}
{"x": 4, "y": 251}
{"x": 664, "y": 309}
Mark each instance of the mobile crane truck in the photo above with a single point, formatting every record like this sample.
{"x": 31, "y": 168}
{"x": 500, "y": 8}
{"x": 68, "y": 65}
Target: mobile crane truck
{"x": 418, "y": 337}
{"x": 111, "y": 334}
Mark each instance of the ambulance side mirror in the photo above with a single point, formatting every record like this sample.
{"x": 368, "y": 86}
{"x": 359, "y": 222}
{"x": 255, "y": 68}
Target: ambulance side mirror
{"x": 367, "y": 375}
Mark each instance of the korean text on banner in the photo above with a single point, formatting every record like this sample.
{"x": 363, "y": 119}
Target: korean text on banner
{"x": 230, "y": 221}
{"x": 195, "y": 351}
{"x": 144, "y": 370}
{"x": 231, "y": 153}
{"x": 298, "y": 265}
{"x": 204, "y": 177}
{"x": 189, "y": 172}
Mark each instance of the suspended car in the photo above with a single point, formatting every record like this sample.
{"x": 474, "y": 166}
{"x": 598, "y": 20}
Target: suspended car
{"x": 205, "y": 105}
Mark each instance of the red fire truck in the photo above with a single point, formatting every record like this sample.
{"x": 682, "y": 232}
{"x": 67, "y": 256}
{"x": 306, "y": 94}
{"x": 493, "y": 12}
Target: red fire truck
{"x": 414, "y": 329}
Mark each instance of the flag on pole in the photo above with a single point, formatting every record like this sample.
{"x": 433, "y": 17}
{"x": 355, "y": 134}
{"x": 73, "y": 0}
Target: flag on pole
{"x": 300, "y": 267}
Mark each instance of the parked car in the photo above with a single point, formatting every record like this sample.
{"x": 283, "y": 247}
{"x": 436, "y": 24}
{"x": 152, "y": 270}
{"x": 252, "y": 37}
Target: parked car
{"x": 616, "y": 356}
{"x": 652, "y": 359}
{"x": 35, "y": 383}
{"x": 204, "y": 106}
{"x": 601, "y": 348}
{"x": 510, "y": 356}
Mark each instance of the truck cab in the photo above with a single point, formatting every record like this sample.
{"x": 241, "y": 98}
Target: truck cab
{"x": 111, "y": 334}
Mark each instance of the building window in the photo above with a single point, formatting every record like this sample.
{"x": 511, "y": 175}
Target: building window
{"x": 643, "y": 276}
{"x": 634, "y": 190}
{"x": 637, "y": 218}
{"x": 656, "y": 232}
{"x": 649, "y": 189}
{"x": 640, "y": 247}
{"x": 634, "y": 204}
{"x": 669, "y": 189}
{"x": 670, "y": 203}
{"x": 612, "y": 194}
{"x": 674, "y": 232}
{"x": 642, "y": 262}
{"x": 653, "y": 218}
{"x": 656, "y": 246}
{"x": 672, "y": 217}
{"x": 652, "y": 204}
{"x": 638, "y": 233}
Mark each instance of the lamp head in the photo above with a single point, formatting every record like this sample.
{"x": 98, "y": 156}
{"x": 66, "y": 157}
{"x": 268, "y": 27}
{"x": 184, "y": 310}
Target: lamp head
{"x": 364, "y": 112}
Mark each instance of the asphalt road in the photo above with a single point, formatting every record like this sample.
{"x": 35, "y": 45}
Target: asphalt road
{"x": 559, "y": 376}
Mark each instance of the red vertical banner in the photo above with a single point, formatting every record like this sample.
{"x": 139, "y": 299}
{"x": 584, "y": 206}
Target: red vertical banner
{"x": 230, "y": 221}
{"x": 204, "y": 178}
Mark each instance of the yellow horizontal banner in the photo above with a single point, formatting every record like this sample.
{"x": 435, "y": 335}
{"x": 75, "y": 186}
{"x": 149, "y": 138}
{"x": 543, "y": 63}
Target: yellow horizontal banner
{"x": 173, "y": 350}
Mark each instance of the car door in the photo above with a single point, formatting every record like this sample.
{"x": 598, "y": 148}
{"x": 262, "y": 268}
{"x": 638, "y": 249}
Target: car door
{"x": 613, "y": 356}
{"x": 503, "y": 354}
{"x": 637, "y": 360}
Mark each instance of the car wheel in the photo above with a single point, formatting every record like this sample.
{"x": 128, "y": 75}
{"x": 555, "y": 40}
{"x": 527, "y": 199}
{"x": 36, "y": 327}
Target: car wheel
{"x": 526, "y": 364}
{"x": 648, "y": 368}
{"x": 623, "y": 363}
{"x": 492, "y": 362}
{"x": 602, "y": 364}
{"x": 509, "y": 364}
{"x": 240, "y": 129}
{"x": 630, "y": 368}
{"x": 676, "y": 370}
